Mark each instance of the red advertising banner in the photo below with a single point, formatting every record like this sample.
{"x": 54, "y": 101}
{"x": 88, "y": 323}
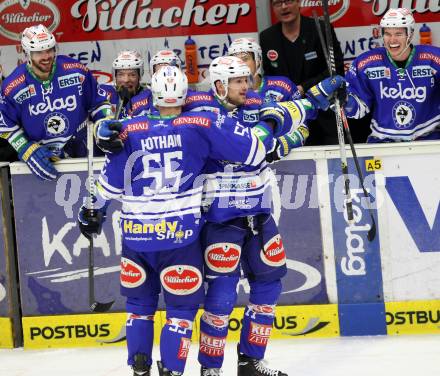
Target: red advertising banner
{"x": 90, "y": 20}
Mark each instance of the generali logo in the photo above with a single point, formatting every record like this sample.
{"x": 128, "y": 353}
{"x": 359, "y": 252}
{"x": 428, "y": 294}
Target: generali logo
{"x": 337, "y": 8}
{"x": 16, "y": 15}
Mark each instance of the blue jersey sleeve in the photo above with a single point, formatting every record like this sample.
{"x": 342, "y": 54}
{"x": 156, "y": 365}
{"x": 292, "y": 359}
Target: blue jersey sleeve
{"x": 362, "y": 96}
{"x": 232, "y": 141}
{"x": 98, "y": 105}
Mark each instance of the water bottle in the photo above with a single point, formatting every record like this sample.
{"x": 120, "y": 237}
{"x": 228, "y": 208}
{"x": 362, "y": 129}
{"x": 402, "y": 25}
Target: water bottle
{"x": 425, "y": 35}
{"x": 192, "y": 70}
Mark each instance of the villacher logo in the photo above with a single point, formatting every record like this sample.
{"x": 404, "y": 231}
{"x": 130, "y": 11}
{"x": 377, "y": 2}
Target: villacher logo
{"x": 16, "y": 15}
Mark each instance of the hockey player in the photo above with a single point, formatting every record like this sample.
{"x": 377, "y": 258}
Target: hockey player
{"x": 142, "y": 103}
{"x": 156, "y": 176}
{"x": 128, "y": 70}
{"x": 240, "y": 230}
{"x": 45, "y": 101}
{"x": 271, "y": 88}
{"x": 399, "y": 83}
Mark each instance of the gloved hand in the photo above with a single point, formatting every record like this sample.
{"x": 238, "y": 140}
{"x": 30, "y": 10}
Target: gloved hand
{"x": 107, "y": 135}
{"x": 286, "y": 143}
{"x": 90, "y": 221}
{"x": 320, "y": 94}
{"x": 37, "y": 159}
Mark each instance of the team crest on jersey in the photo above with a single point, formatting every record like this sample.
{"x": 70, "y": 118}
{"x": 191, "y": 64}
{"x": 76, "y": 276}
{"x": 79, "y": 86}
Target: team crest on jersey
{"x": 222, "y": 257}
{"x": 74, "y": 79}
{"x": 181, "y": 279}
{"x": 377, "y": 73}
{"x": 56, "y": 124}
{"x": 132, "y": 275}
{"x": 404, "y": 114}
{"x": 24, "y": 94}
{"x": 422, "y": 71}
{"x": 272, "y": 96}
{"x": 273, "y": 253}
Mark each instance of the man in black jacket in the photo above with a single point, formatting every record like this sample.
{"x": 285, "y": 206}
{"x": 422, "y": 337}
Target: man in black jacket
{"x": 292, "y": 48}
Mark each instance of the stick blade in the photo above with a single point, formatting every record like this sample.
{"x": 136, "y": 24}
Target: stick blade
{"x": 101, "y": 307}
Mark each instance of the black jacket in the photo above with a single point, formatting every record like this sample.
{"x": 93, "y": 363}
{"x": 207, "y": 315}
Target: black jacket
{"x": 312, "y": 69}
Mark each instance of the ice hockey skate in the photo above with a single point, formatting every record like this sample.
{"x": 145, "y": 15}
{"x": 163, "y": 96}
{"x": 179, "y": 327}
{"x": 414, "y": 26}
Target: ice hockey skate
{"x": 248, "y": 366}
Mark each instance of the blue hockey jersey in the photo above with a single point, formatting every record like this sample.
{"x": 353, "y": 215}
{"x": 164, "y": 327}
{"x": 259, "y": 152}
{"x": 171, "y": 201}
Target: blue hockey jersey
{"x": 248, "y": 114}
{"x": 404, "y": 101}
{"x": 51, "y": 112}
{"x": 233, "y": 190}
{"x": 278, "y": 89}
{"x": 158, "y": 174}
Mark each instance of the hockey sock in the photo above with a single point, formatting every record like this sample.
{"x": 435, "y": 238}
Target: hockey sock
{"x": 219, "y": 302}
{"x": 175, "y": 339}
{"x": 259, "y": 317}
{"x": 140, "y": 335}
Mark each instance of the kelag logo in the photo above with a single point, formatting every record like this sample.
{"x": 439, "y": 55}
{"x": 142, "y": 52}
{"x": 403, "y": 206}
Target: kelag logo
{"x": 402, "y": 193}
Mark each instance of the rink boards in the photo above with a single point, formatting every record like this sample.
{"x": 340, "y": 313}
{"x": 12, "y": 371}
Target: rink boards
{"x": 338, "y": 282}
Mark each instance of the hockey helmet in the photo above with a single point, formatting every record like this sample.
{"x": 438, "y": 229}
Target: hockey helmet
{"x": 128, "y": 60}
{"x": 399, "y": 17}
{"x": 225, "y": 67}
{"x": 164, "y": 57}
{"x": 37, "y": 38}
{"x": 249, "y": 45}
{"x": 169, "y": 87}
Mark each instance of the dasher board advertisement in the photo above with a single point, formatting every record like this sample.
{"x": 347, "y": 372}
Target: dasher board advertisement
{"x": 53, "y": 255}
{"x": 410, "y": 218}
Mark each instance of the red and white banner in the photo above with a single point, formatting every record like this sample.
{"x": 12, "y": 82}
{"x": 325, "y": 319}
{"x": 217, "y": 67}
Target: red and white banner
{"x": 90, "y": 20}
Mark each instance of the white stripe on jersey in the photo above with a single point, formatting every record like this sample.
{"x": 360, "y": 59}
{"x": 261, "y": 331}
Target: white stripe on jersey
{"x": 104, "y": 106}
{"x": 165, "y": 195}
{"x": 405, "y": 135}
{"x": 195, "y": 211}
{"x": 108, "y": 191}
{"x": 168, "y": 206}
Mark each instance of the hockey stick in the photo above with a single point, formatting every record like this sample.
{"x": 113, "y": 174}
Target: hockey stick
{"x": 341, "y": 119}
{"x": 96, "y": 306}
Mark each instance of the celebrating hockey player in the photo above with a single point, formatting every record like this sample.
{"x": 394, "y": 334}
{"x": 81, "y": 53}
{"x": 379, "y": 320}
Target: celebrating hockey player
{"x": 399, "y": 83}
{"x": 240, "y": 229}
{"x": 128, "y": 70}
{"x": 45, "y": 101}
{"x": 271, "y": 88}
{"x": 156, "y": 175}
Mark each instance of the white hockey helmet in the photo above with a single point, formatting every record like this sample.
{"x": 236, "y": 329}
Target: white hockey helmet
{"x": 169, "y": 87}
{"x": 164, "y": 57}
{"x": 37, "y": 38}
{"x": 249, "y": 45}
{"x": 127, "y": 59}
{"x": 225, "y": 67}
{"x": 399, "y": 17}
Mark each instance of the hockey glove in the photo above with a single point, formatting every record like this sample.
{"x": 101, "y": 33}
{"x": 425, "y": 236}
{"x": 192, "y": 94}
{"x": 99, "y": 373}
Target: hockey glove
{"x": 38, "y": 160}
{"x": 107, "y": 135}
{"x": 90, "y": 221}
{"x": 320, "y": 94}
{"x": 286, "y": 143}
{"x": 284, "y": 116}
